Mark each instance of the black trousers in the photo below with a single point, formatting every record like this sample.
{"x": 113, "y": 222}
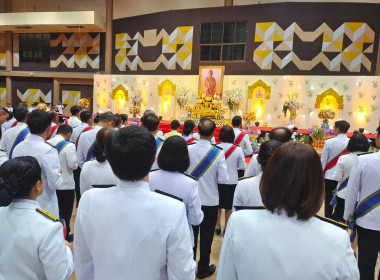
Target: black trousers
{"x": 339, "y": 210}
{"x": 368, "y": 247}
{"x": 206, "y": 229}
{"x": 330, "y": 185}
{"x": 77, "y": 185}
{"x": 65, "y": 205}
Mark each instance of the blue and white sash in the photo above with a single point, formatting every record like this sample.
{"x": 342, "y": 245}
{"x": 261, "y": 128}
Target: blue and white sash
{"x": 90, "y": 152}
{"x": 159, "y": 143}
{"x": 20, "y": 137}
{"x": 335, "y": 192}
{"x": 206, "y": 162}
{"x": 61, "y": 145}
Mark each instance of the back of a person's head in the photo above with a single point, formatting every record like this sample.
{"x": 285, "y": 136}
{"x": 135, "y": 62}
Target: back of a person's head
{"x": 236, "y": 121}
{"x": 148, "y": 112}
{"x": 174, "y": 124}
{"x": 150, "y": 122}
{"x": 281, "y": 134}
{"x": 358, "y": 143}
{"x": 38, "y": 121}
{"x": 102, "y": 137}
{"x": 188, "y": 127}
{"x": 118, "y": 120}
{"x": 74, "y": 110}
{"x": 227, "y": 134}
{"x": 20, "y": 113}
{"x": 17, "y": 177}
{"x": 64, "y": 129}
{"x": 292, "y": 181}
{"x": 361, "y": 130}
{"x": 53, "y": 115}
{"x": 343, "y": 126}
{"x": 124, "y": 117}
{"x": 266, "y": 151}
{"x": 106, "y": 117}
{"x": 206, "y": 127}
{"x": 174, "y": 155}
{"x": 131, "y": 152}
{"x": 10, "y": 116}
{"x": 85, "y": 116}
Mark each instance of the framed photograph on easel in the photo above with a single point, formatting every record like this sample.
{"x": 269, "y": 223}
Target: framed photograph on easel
{"x": 211, "y": 81}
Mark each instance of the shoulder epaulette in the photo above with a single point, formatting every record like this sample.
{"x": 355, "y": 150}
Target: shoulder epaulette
{"x": 154, "y": 170}
{"x": 169, "y": 195}
{"x": 51, "y": 145}
{"x": 215, "y": 145}
{"x": 330, "y": 221}
{"x": 1, "y": 149}
{"x": 367, "y": 153}
{"x": 191, "y": 143}
{"x": 103, "y": 186}
{"x": 47, "y": 215}
{"x": 192, "y": 177}
{"x": 249, "y": 208}
{"x": 245, "y": 177}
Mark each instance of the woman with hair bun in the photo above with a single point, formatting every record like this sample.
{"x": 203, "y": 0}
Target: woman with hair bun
{"x": 31, "y": 240}
{"x": 98, "y": 172}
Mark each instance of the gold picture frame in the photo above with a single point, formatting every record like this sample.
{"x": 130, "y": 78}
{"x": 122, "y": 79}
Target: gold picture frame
{"x": 217, "y": 74}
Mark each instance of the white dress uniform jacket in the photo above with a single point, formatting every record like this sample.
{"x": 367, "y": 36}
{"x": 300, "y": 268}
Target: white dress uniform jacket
{"x": 245, "y": 144}
{"x": 86, "y": 139}
{"x": 9, "y": 137}
{"x": 216, "y": 173}
{"x": 331, "y": 149}
{"x": 55, "y": 131}
{"x": 234, "y": 162}
{"x": 247, "y": 192}
{"x": 74, "y": 122}
{"x": 68, "y": 162}
{"x": 32, "y": 245}
{"x": 254, "y": 168}
{"x": 3, "y": 156}
{"x": 261, "y": 245}
{"x": 77, "y": 131}
{"x": 47, "y": 157}
{"x": 150, "y": 238}
{"x": 197, "y": 137}
{"x": 96, "y": 173}
{"x": 8, "y": 124}
{"x": 343, "y": 169}
{"x": 159, "y": 134}
{"x": 189, "y": 137}
{"x": 181, "y": 186}
{"x": 364, "y": 181}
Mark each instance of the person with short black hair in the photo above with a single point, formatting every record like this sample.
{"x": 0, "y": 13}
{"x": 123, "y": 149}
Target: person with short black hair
{"x": 124, "y": 120}
{"x": 31, "y": 242}
{"x": 235, "y": 161}
{"x": 54, "y": 124}
{"x": 247, "y": 192}
{"x": 357, "y": 145}
{"x": 151, "y": 122}
{"x": 149, "y": 232}
{"x": 9, "y": 107}
{"x": 87, "y": 139}
{"x": 118, "y": 121}
{"x": 68, "y": 163}
{"x": 39, "y": 123}
{"x": 74, "y": 121}
{"x": 174, "y": 126}
{"x": 59, "y": 107}
{"x": 362, "y": 197}
{"x": 11, "y": 122}
{"x": 208, "y": 166}
{"x": 188, "y": 131}
{"x": 15, "y": 135}
{"x": 241, "y": 138}
{"x": 332, "y": 150}
{"x": 292, "y": 192}
{"x": 98, "y": 172}
{"x": 173, "y": 160}
{"x": 4, "y": 114}
{"x": 197, "y": 136}
{"x": 361, "y": 130}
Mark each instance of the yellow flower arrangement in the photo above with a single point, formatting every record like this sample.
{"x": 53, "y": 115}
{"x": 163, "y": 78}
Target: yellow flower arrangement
{"x": 83, "y": 103}
{"x": 326, "y": 114}
{"x": 42, "y": 106}
{"x": 248, "y": 117}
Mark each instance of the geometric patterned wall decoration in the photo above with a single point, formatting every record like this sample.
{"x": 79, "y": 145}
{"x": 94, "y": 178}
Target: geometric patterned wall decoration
{"x": 350, "y": 42}
{"x": 176, "y": 49}
{"x": 34, "y": 95}
{"x": 3, "y": 96}
{"x": 3, "y": 48}
{"x": 69, "y": 99}
{"x": 81, "y": 49}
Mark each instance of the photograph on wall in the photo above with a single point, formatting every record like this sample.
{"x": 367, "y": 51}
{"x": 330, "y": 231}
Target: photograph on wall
{"x": 211, "y": 81}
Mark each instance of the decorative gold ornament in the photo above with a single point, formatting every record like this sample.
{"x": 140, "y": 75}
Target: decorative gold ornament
{"x": 330, "y": 92}
{"x": 257, "y": 85}
{"x": 120, "y": 88}
{"x": 167, "y": 87}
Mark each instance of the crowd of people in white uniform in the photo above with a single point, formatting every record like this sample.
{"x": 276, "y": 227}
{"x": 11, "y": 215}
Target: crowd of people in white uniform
{"x": 146, "y": 201}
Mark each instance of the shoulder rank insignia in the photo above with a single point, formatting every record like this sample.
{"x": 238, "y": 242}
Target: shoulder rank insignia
{"x": 245, "y": 177}
{"x": 249, "y": 208}
{"x": 50, "y": 144}
{"x": 192, "y": 143}
{"x": 1, "y": 149}
{"x": 47, "y": 215}
{"x": 335, "y": 223}
{"x": 187, "y": 175}
{"x": 215, "y": 145}
{"x": 169, "y": 195}
{"x": 363, "y": 154}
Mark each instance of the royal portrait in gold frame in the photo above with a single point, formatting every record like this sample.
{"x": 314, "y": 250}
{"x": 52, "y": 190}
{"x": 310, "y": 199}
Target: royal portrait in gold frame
{"x": 211, "y": 81}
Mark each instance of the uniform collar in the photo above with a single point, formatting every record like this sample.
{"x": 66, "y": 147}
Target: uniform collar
{"x": 74, "y": 117}
{"x": 97, "y": 127}
{"x": 134, "y": 184}
{"x": 60, "y": 137}
{"x": 341, "y": 135}
{"x": 24, "y": 204}
{"x": 35, "y": 138}
{"x": 22, "y": 124}
{"x": 203, "y": 142}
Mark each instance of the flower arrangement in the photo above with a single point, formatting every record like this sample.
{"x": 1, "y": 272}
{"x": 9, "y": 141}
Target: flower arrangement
{"x": 183, "y": 97}
{"x": 318, "y": 133}
{"x": 326, "y": 114}
{"x": 248, "y": 117}
{"x": 327, "y": 131}
{"x": 253, "y": 131}
{"x": 135, "y": 109}
{"x": 83, "y": 103}
{"x": 234, "y": 98}
{"x": 291, "y": 105}
{"x": 42, "y": 106}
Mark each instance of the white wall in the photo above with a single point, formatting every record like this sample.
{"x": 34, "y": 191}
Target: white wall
{"x": 357, "y": 91}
